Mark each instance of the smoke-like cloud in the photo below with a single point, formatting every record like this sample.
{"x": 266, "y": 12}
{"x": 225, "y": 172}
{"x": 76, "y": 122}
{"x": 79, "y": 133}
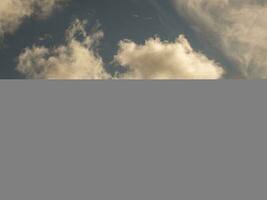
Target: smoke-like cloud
{"x": 158, "y": 59}
{"x": 13, "y": 12}
{"x": 76, "y": 59}
{"x": 237, "y": 27}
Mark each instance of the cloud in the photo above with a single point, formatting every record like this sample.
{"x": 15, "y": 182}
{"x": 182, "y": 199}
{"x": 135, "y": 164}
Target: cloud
{"x": 76, "y": 59}
{"x": 13, "y": 12}
{"x": 158, "y": 59}
{"x": 237, "y": 27}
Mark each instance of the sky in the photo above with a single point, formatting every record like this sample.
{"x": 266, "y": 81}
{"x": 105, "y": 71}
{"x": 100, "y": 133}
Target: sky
{"x": 133, "y": 39}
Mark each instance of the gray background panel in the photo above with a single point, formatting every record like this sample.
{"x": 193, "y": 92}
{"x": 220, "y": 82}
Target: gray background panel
{"x": 126, "y": 140}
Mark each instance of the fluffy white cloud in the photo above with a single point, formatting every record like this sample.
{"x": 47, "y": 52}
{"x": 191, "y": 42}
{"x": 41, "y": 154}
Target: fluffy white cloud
{"x": 158, "y": 59}
{"x": 13, "y": 12}
{"x": 237, "y": 27}
{"x": 76, "y": 59}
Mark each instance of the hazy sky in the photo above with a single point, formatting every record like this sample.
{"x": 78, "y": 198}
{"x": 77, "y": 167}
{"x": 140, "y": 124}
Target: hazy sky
{"x": 133, "y": 39}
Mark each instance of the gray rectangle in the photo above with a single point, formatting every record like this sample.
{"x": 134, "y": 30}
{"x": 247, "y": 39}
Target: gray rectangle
{"x": 127, "y": 140}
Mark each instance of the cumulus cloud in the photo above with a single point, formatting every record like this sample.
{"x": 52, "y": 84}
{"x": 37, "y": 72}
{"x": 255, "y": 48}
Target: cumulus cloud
{"x": 237, "y": 27}
{"x": 76, "y": 59}
{"x": 13, "y": 12}
{"x": 158, "y": 59}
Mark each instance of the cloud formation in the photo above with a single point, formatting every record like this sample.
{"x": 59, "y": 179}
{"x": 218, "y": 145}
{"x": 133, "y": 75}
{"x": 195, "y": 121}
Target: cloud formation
{"x": 13, "y": 12}
{"x": 158, "y": 59}
{"x": 76, "y": 59}
{"x": 237, "y": 27}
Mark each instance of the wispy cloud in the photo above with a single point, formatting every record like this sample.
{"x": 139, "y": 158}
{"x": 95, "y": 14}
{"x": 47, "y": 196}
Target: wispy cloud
{"x": 237, "y": 27}
{"x": 13, "y": 12}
